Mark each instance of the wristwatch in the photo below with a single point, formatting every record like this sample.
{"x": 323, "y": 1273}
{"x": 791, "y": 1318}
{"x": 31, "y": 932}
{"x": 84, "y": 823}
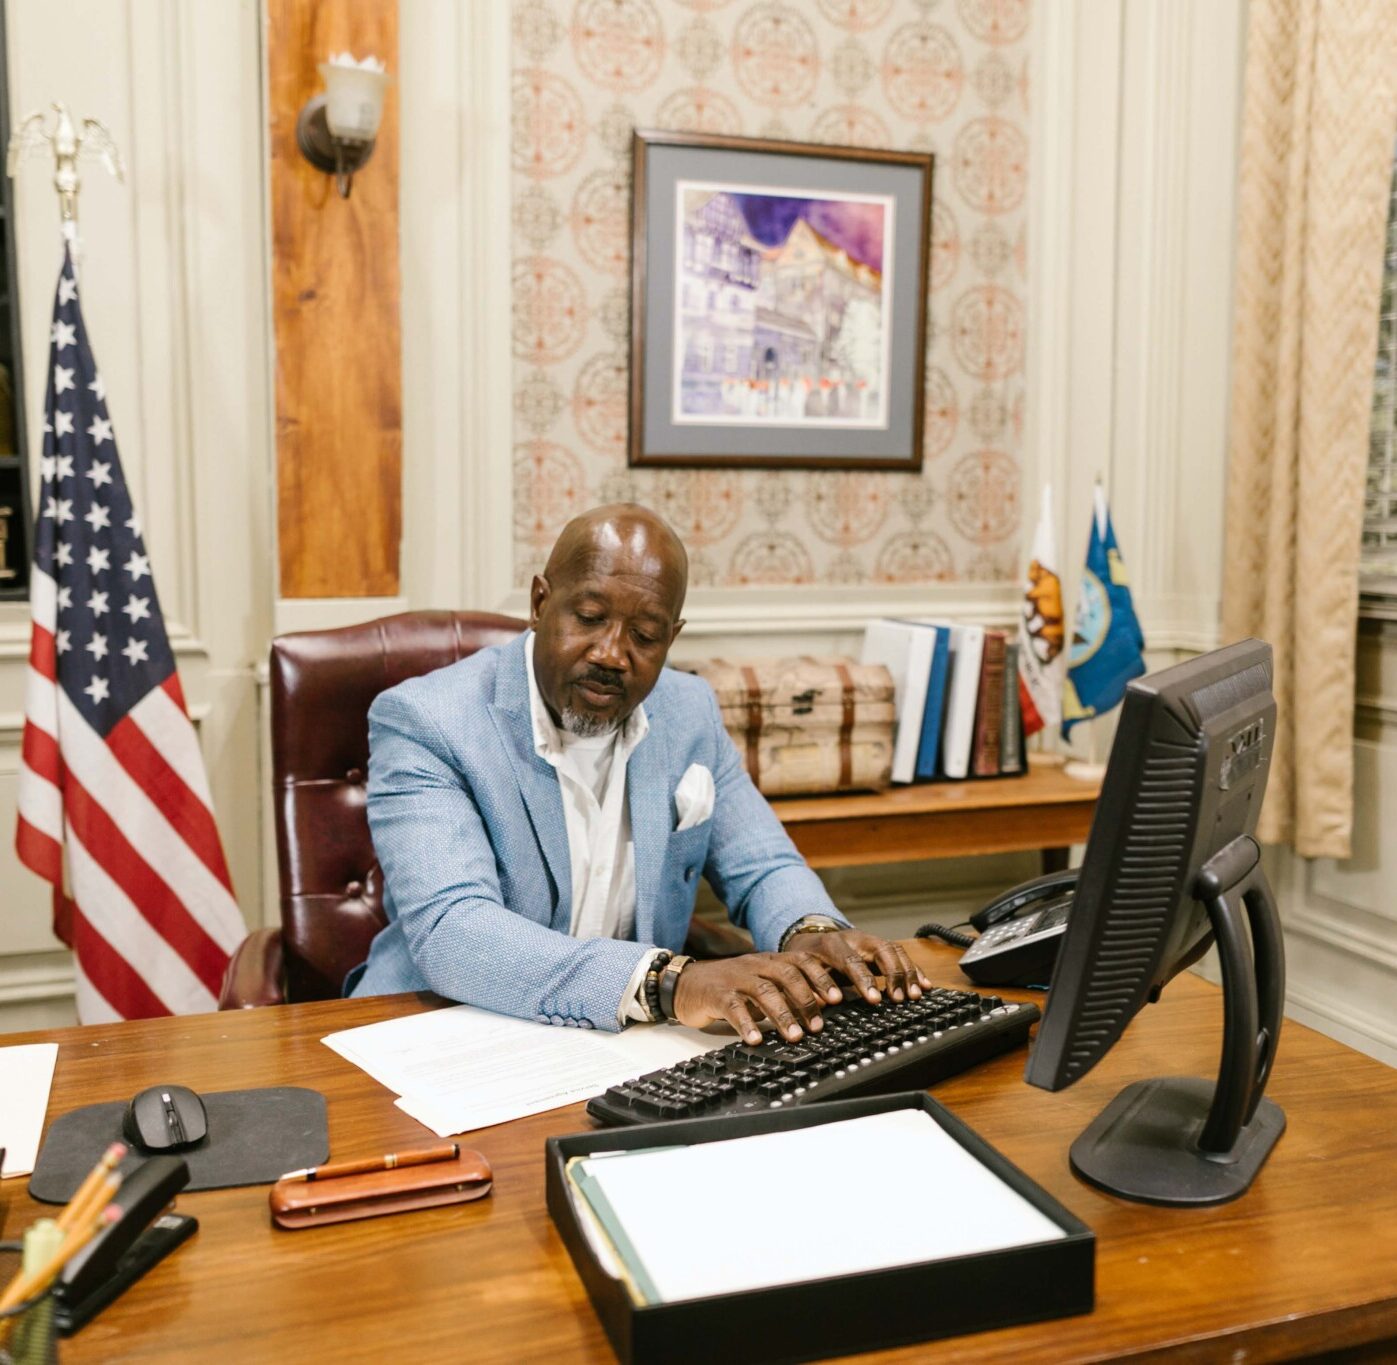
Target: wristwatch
{"x": 669, "y": 982}
{"x": 811, "y": 924}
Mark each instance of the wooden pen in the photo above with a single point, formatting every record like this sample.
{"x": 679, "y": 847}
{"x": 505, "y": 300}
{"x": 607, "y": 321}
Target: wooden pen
{"x": 389, "y": 1161}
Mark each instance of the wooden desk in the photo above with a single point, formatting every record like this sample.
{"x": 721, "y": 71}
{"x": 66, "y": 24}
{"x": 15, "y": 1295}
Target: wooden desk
{"x": 1044, "y": 809}
{"x": 1306, "y": 1261}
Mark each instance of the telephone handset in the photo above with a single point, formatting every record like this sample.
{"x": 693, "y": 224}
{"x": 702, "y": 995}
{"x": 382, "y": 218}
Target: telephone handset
{"x": 1020, "y": 933}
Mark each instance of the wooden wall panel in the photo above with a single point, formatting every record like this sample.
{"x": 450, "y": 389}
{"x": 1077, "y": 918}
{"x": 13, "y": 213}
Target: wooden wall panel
{"x": 336, "y": 294}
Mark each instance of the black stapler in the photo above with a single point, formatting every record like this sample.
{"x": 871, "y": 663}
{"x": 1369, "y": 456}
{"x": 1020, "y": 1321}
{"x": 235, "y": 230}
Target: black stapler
{"x": 117, "y": 1257}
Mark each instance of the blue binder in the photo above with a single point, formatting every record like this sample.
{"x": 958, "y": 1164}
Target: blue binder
{"x": 929, "y": 749}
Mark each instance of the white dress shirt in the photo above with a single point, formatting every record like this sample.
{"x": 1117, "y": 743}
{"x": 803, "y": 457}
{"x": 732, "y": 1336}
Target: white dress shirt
{"x": 601, "y": 853}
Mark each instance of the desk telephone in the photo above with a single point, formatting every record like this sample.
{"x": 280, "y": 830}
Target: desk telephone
{"x": 1020, "y": 933}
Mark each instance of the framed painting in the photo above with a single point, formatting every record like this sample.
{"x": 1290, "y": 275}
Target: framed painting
{"x": 778, "y": 304}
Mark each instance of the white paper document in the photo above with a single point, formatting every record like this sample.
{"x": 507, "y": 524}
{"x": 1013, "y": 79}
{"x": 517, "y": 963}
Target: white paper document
{"x": 26, "y": 1075}
{"x": 460, "y": 1068}
{"x": 946, "y": 1204}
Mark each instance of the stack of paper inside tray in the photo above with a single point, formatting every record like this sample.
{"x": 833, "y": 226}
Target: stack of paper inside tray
{"x": 808, "y": 1232}
{"x": 460, "y": 1068}
{"x": 946, "y": 1204}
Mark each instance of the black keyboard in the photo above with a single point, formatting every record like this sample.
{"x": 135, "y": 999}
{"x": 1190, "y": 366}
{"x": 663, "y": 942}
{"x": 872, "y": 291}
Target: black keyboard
{"x": 863, "y": 1049}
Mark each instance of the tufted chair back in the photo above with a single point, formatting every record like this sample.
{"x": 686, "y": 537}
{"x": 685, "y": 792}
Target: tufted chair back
{"x": 323, "y": 682}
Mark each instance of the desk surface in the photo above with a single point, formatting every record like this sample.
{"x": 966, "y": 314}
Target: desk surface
{"x": 1307, "y": 1260}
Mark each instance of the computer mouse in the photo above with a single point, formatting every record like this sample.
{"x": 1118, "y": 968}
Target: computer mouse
{"x": 165, "y": 1118}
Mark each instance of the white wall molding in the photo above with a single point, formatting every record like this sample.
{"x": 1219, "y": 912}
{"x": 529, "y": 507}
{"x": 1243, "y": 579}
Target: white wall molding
{"x": 1052, "y": 167}
{"x": 1336, "y": 933}
{"x": 327, "y": 613}
{"x": 1375, "y": 711}
{"x": 456, "y": 188}
{"x": 1342, "y": 1019}
{"x": 486, "y": 393}
{"x": 42, "y": 976}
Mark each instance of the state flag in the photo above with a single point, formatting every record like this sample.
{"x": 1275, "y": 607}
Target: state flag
{"x": 1042, "y": 628}
{"x": 1108, "y": 646}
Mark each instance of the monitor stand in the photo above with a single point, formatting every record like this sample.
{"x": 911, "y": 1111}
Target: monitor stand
{"x": 1181, "y": 1140}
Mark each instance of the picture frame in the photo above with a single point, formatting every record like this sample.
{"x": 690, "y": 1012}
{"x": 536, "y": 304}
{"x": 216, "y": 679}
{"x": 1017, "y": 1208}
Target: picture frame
{"x": 778, "y": 304}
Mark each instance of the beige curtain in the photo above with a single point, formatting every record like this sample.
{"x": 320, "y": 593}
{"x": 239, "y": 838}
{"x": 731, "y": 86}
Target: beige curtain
{"x": 1317, "y": 144}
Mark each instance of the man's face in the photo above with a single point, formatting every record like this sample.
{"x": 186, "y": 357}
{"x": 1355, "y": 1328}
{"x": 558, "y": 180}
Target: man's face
{"x": 603, "y": 627}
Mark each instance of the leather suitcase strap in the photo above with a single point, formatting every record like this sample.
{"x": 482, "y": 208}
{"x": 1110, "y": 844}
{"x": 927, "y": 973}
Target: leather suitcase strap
{"x": 846, "y": 728}
{"x": 754, "y": 723}
{"x": 846, "y": 723}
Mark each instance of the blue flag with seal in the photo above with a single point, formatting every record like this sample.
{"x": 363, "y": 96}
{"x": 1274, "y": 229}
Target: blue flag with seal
{"x": 1107, "y": 648}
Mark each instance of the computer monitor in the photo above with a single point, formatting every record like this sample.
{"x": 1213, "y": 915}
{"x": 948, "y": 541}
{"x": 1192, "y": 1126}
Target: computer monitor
{"x": 1171, "y": 866}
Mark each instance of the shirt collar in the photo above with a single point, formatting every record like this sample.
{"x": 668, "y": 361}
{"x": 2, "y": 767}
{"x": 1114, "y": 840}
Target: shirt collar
{"x": 548, "y": 741}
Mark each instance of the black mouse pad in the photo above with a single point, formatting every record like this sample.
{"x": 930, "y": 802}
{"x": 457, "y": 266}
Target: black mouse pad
{"x": 254, "y": 1137}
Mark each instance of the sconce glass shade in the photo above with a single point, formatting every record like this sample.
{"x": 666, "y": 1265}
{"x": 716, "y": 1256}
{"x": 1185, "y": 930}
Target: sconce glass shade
{"x": 353, "y": 96}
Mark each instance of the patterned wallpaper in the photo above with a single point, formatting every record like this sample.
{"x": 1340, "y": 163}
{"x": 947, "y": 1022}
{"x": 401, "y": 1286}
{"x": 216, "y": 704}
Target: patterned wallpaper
{"x": 948, "y": 76}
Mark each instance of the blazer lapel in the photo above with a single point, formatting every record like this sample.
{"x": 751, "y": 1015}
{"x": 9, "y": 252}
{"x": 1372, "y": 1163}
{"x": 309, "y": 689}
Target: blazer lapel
{"x": 647, "y": 791}
{"x": 537, "y": 780}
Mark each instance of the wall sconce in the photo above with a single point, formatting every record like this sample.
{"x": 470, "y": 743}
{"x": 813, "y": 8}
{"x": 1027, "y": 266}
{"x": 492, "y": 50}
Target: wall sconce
{"x": 336, "y": 130}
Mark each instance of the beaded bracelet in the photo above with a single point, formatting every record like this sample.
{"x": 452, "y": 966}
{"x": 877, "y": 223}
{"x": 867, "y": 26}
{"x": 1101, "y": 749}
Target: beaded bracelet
{"x": 652, "y": 985}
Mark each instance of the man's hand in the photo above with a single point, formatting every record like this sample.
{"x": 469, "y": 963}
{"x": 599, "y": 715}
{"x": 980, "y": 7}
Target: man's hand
{"x": 851, "y": 951}
{"x": 790, "y": 988}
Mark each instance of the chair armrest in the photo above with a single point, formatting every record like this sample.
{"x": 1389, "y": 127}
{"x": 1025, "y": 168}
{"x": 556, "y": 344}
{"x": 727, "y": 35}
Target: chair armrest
{"x": 256, "y": 973}
{"x": 709, "y": 938}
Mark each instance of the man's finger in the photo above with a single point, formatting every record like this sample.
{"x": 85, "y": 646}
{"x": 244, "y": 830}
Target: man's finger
{"x": 894, "y": 969}
{"x": 818, "y": 977}
{"x": 912, "y": 976}
{"x": 734, "y": 1010}
{"x": 770, "y": 998}
{"x": 853, "y": 966}
{"x": 797, "y": 991}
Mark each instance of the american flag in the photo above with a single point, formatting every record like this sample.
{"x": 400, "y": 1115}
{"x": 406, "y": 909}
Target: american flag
{"x": 111, "y": 772}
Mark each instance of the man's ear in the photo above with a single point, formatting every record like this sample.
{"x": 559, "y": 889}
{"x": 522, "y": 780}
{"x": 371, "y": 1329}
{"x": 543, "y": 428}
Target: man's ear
{"x": 538, "y": 595}
{"x": 674, "y": 632}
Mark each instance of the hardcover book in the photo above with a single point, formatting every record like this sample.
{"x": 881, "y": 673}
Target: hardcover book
{"x": 1011, "y": 735}
{"x": 967, "y": 646}
{"x": 989, "y": 713}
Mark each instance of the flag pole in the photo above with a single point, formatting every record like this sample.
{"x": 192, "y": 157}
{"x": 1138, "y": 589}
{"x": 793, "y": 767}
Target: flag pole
{"x": 1090, "y": 769}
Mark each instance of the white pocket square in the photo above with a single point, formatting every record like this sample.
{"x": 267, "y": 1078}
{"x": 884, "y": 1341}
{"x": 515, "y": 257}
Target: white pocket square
{"x": 693, "y": 797}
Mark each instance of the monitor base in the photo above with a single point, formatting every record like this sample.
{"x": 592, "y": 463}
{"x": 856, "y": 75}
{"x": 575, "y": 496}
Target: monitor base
{"x": 1144, "y": 1145}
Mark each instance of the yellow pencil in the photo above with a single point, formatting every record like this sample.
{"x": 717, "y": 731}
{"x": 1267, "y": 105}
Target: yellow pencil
{"x": 24, "y": 1286}
{"x": 97, "y": 1199}
{"x": 85, "y": 1191}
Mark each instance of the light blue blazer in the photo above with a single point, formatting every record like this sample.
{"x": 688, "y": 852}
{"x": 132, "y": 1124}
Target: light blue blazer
{"x": 468, "y": 826}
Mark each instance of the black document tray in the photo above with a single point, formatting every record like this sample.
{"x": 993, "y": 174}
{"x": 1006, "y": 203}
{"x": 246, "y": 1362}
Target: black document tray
{"x": 819, "y": 1318}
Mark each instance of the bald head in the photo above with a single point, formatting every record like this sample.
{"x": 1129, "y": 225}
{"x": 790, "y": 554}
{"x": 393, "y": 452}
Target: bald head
{"x": 622, "y": 532}
{"x": 605, "y": 611}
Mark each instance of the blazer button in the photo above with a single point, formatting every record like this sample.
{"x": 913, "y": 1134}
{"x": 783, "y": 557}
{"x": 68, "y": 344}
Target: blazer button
{"x": 689, "y": 873}
{"x": 555, "y": 1019}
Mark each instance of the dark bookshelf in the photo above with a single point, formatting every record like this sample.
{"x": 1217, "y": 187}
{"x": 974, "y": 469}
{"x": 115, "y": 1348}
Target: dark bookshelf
{"x": 16, "y": 509}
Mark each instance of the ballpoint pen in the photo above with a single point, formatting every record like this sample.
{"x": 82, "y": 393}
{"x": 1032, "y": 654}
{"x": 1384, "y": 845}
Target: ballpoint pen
{"x": 389, "y": 1161}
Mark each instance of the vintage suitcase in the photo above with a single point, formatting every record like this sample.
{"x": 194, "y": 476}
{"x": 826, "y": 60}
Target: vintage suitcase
{"x": 806, "y": 724}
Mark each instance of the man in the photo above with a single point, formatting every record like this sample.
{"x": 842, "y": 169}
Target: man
{"x": 542, "y": 811}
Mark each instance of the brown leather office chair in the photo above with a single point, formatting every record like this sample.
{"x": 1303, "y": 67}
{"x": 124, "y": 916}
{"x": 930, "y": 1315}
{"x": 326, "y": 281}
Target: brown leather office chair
{"x": 331, "y": 888}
